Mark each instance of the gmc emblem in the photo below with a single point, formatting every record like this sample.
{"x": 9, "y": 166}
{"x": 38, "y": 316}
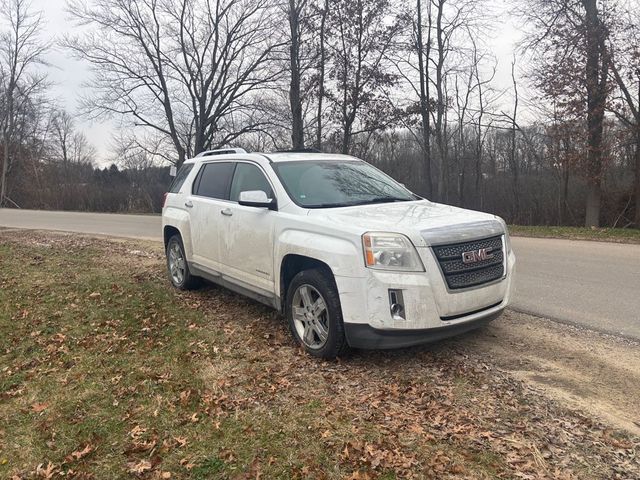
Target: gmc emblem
{"x": 475, "y": 256}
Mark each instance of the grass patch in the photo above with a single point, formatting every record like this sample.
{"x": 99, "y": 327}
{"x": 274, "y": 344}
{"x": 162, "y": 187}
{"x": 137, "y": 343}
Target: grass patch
{"x": 107, "y": 372}
{"x": 617, "y": 235}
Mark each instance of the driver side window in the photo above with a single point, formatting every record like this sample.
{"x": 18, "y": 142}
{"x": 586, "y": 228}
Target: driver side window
{"x": 248, "y": 177}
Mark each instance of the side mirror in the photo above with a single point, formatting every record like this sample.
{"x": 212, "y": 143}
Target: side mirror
{"x": 257, "y": 198}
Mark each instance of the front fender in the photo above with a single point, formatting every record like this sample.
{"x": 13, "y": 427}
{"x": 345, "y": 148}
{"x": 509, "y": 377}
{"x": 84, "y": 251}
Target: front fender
{"x": 343, "y": 256}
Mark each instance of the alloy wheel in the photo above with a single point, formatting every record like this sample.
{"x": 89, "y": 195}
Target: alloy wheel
{"x": 176, "y": 263}
{"x": 310, "y": 316}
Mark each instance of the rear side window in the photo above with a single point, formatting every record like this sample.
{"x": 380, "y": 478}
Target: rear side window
{"x": 213, "y": 180}
{"x": 182, "y": 175}
{"x": 249, "y": 177}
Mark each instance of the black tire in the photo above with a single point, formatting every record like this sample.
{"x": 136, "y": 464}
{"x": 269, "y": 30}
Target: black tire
{"x": 335, "y": 344}
{"x": 186, "y": 281}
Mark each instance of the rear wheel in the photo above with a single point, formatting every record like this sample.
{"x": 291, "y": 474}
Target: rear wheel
{"x": 314, "y": 314}
{"x": 177, "y": 266}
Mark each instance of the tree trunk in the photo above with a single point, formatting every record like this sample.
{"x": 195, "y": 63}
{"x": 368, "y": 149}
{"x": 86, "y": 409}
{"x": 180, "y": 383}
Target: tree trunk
{"x": 596, "y": 81}
{"x": 443, "y": 179}
{"x": 592, "y": 218}
{"x": 323, "y": 22}
{"x": 512, "y": 154}
{"x": 5, "y": 167}
{"x": 182, "y": 156}
{"x": 637, "y": 178}
{"x": 565, "y": 195}
{"x": 297, "y": 131}
{"x": 346, "y": 137}
{"x": 479, "y": 147}
{"x": 424, "y": 104}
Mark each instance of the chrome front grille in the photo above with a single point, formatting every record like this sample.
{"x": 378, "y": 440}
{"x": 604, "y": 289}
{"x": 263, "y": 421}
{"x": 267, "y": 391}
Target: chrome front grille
{"x": 487, "y": 265}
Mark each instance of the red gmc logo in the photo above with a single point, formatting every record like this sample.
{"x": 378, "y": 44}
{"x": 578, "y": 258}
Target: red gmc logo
{"x": 475, "y": 256}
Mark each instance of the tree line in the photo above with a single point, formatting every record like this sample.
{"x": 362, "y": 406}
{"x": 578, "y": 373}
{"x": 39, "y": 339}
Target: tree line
{"x": 408, "y": 85}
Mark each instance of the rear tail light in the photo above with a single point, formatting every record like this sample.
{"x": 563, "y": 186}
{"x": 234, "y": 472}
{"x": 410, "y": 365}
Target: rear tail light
{"x": 164, "y": 199}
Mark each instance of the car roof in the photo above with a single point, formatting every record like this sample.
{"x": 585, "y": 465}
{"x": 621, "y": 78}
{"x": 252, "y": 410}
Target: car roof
{"x": 302, "y": 156}
{"x": 276, "y": 157}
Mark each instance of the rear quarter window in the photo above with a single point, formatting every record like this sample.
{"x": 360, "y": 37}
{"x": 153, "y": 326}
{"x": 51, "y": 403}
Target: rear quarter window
{"x": 181, "y": 176}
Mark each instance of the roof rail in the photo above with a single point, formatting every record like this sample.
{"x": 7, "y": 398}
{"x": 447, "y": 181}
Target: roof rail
{"x": 300, "y": 150}
{"x": 221, "y": 151}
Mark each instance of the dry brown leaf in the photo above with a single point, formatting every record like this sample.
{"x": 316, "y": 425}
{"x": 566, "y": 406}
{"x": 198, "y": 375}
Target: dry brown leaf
{"x": 39, "y": 407}
{"x": 59, "y": 337}
{"x": 181, "y": 441}
{"x": 79, "y": 454}
{"x": 141, "y": 467}
{"x": 137, "y": 431}
{"x": 357, "y": 475}
{"x": 45, "y": 472}
{"x": 186, "y": 463}
{"x": 184, "y": 397}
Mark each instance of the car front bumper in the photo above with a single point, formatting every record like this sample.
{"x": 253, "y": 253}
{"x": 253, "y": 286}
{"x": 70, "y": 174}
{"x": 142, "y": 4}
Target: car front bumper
{"x": 366, "y": 337}
{"x": 431, "y": 311}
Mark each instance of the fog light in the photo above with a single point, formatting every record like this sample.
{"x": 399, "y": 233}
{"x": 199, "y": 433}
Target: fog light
{"x": 396, "y": 304}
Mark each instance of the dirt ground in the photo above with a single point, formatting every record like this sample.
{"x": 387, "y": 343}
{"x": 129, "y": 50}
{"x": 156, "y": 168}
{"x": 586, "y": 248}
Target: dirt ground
{"x": 589, "y": 371}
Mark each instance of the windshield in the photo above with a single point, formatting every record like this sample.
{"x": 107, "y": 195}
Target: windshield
{"x": 324, "y": 184}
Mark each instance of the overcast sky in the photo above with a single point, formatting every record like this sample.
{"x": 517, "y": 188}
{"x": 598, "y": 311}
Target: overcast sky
{"x": 68, "y": 75}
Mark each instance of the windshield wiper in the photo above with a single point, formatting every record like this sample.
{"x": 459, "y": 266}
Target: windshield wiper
{"x": 359, "y": 202}
{"x": 381, "y": 200}
{"x": 329, "y": 205}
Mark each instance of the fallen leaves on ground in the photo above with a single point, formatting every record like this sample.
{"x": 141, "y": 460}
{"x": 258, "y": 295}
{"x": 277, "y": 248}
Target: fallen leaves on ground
{"x": 148, "y": 382}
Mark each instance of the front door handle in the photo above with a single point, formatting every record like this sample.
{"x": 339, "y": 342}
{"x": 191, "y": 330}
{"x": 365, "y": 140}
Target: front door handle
{"x": 188, "y": 204}
{"x": 227, "y": 212}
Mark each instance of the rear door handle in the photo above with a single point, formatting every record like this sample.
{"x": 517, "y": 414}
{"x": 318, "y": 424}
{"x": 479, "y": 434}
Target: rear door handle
{"x": 227, "y": 212}
{"x": 188, "y": 204}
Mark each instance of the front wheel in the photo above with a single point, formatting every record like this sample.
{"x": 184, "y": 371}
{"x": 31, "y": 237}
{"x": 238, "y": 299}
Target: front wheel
{"x": 178, "y": 267}
{"x": 314, "y": 314}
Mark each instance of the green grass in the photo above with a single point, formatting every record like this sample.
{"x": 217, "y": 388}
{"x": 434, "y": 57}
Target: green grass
{"x": 618, "y": 235}
{"x": 107, "y": 372}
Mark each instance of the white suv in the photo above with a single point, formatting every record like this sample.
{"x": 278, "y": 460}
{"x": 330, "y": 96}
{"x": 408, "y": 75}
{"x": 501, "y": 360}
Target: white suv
{"x": 351, "y": 257}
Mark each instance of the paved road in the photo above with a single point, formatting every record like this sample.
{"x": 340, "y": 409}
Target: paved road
{"x": 133, "y": 226}
{"x": 593, "y": 284}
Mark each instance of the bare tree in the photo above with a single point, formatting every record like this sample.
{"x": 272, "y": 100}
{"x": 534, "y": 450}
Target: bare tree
{"x": 21, "y": 51}
{"x": 69, "y": 146}
{"x": 191, "y": 70}
{"x": 483, "y": 87}
{"x": 362, "y": 33}
{"x": 460, "y": 147}
{"x": 597, "y": 74}
{"x": 423, "y": 50}
{"x": 512, "y": 151}
{"x": 625, "y": 68}
{"x": 296, "y": 8}
{"x": 322, "y": 59}
{"x": 572, "y": 63}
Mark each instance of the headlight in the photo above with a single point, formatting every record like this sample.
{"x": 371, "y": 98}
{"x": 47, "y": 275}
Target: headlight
{"x": 390, "y": 251}
{"x": 507, "y": 238}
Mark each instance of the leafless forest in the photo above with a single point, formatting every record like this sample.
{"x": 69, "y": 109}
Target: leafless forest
{"x": 409, "y": 85}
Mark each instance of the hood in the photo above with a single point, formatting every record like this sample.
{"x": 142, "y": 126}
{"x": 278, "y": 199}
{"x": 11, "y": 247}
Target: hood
{"x": 424, "y": 222}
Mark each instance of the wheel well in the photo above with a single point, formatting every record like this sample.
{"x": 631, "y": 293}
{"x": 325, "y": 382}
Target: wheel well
{"x": 294, "y": 264}
{"x": 169, "y": 232}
